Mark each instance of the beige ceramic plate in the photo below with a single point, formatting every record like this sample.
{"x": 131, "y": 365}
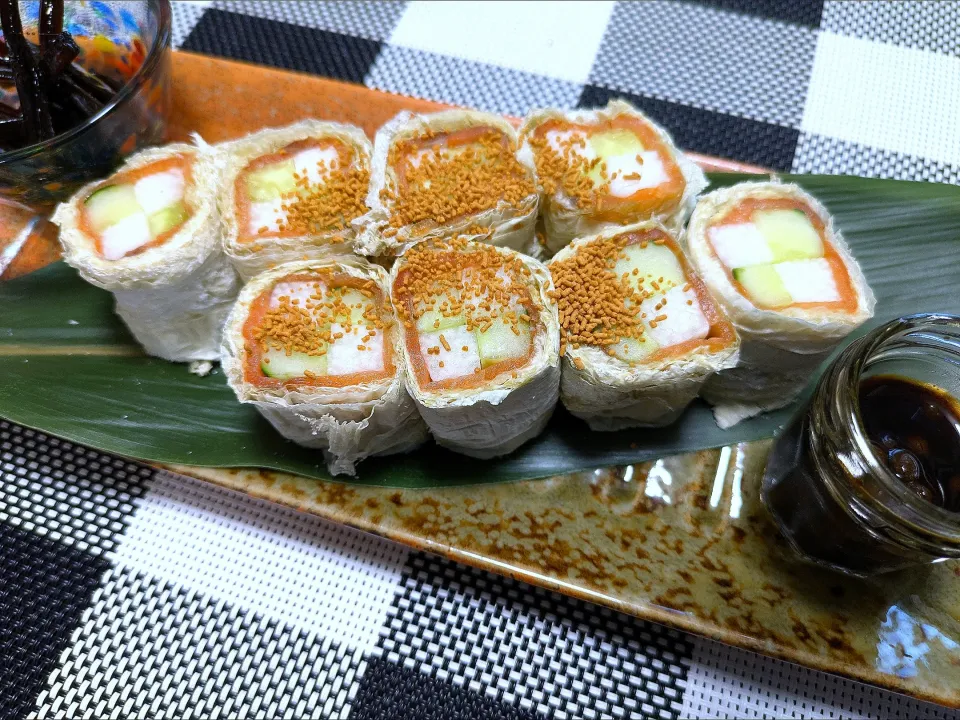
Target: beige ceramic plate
{"x": 683, "y": 541}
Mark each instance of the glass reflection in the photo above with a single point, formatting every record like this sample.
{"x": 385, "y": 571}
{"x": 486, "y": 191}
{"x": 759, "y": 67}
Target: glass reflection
{"x": 659, "y": 483}
{"x": 905, "y": 644}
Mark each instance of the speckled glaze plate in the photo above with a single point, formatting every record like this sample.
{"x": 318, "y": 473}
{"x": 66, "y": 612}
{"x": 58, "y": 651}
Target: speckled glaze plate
{"x": 683, "y": 541}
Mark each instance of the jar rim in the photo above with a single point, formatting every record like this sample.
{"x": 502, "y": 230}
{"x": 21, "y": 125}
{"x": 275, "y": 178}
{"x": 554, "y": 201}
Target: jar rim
{"x": 919, "y": 513}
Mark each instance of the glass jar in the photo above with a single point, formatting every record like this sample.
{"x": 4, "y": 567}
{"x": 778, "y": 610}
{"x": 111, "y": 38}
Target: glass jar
{"x": 129, "y": 41}
{"x": 834, "y": 500}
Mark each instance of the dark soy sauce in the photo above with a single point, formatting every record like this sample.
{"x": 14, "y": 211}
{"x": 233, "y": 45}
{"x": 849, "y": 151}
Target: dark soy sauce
{"x": 915, "y": 431}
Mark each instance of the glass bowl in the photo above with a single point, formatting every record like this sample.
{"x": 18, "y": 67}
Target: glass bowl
{"x": 129, "y": 41}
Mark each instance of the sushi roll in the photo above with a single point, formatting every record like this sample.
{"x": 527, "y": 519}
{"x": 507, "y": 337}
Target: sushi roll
{"x": 150, "y": 235}
{"x": 605, "y": 168}
{"x": 771, "y": 256}
{"x": 291, "y": 193}
{"x": 480, "y": 343}
{"x": 444, "y": 174}
{"x": 314, "y": 346}
{"x": 640, "y": 333}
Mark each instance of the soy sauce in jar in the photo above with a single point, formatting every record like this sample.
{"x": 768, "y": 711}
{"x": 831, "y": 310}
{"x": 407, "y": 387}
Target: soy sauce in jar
{"x": 865, "y": 478}
{"x": 915, "y": 431}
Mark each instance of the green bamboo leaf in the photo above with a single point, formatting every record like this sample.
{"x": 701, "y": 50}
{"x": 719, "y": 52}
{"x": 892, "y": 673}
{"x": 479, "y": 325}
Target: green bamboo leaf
{"x": 68, "y": 366}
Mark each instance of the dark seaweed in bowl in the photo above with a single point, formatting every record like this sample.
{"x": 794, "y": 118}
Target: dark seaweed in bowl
{"x": 129, "y": 43}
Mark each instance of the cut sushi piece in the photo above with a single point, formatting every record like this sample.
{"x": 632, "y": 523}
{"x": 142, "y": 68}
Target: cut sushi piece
{"x": 332, "y": 329}
{"x": 770, "y": 255}
{"x": 291, "y": 193}
{"x": 604, "y": 168}
{"x": 640, "y": 333}
{"x": 488, "y": 380}
{"x": 150, "y": 234}
{"x": 138, "y": 209}
{"x": 772, "y": 245}
{"x": 447, "y": 173}
{"x": 314, "y": 345}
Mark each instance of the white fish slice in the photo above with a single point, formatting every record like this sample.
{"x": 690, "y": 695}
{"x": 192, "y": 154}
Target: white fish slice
{"x": 557, "y": 139}
{"x": 650, "y": 168}
{"x": 156, "y": 192}
{"x": 267, "y": 214}
{"x": 125, "y": 236}
{"x": 301, "y": 291}
{"x": 808, "y": 280}
{"x": 740, "y": 245}
{"x": 307, "y": 163}
{"x": 456, "y": 361}
{"x": 344, "y": 356}
{"x": 683, "y": 322}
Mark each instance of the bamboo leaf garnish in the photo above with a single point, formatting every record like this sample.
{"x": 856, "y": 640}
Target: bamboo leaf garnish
{"x": 69, "y": 367}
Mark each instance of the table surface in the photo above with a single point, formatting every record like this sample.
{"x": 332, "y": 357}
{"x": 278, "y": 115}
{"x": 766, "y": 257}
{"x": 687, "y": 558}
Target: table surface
{"x": 129, "y": 592}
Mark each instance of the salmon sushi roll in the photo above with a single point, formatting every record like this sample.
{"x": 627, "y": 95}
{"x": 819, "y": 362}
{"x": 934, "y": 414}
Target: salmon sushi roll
{"x": 480, "y": 343}
{"x": 770, "y": 254}
{"x": 604, "y": 168}
{"x": 314, "y": 346}
{"x": 447, "y": 173}
{"x": 640, "y": 334}
{"x": 150, "y": 235}
{"x": 292, "y": 193}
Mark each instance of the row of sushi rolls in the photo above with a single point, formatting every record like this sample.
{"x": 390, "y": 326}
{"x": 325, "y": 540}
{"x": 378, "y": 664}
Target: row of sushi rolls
{"x": 461, "y": 275}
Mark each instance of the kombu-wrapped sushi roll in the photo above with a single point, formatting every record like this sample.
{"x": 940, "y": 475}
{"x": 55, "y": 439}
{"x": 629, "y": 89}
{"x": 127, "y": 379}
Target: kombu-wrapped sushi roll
{"x": 605, "y": 168}
{"x": 314, "y": 345}
{"x": 291, "y": 193}
{"x": 150, "y": 235}
{"x": 480, "y": 343}
{"x": 771, "y": 256}
{"x": 640, "y": 334}
{"x": 444, "y": 174}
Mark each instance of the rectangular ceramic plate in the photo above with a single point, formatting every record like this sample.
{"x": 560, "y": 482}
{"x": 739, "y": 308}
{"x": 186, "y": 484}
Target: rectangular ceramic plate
{"x": 682, "y": 541}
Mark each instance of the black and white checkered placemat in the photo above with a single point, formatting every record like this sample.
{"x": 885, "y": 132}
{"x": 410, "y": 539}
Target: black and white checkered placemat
{"x": 128, "y": 593}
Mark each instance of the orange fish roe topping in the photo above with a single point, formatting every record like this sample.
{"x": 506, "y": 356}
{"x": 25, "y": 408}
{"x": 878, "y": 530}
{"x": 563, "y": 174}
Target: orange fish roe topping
{"x": 567, "y": 167}
{"x": 569, "y": 170}
{"x": 306, "y": 327}
{"x": 445, "y": 186}
{"x": 329, "y": 206}
{"x": 457, "y": 277}
{"x": 596, "y": 306}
